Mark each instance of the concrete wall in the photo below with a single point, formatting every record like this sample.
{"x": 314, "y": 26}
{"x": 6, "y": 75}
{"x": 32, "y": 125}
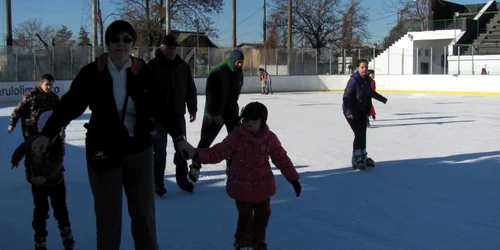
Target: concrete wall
{"x": 472, "y": 65}
{"x": 11, "y": 92}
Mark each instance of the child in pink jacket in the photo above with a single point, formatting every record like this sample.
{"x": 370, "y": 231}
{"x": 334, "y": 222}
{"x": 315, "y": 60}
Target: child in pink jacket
{"x": 250, "y": 178}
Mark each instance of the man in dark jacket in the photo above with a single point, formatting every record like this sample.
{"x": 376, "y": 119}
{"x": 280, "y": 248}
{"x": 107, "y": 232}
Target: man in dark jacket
{"x": 176, "y": 81}
{"x": 223, "y": 89}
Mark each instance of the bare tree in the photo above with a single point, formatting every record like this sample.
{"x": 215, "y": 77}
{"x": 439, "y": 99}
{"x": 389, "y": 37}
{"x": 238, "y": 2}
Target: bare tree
{"x": 32, "y": 41}
{"x": 279, "y": 19}
{"x": 412, "y": 16}
{"x": 272, "y": 37}
{"x": 413, "y": 12}
{"x": 320, "y": 22}
{"x": 31, "y": 36}
{"x": 148, "y": 16}
{"x": 353, "y": 25}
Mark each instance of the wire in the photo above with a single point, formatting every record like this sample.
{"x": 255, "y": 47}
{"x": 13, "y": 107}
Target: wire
{"x": 251, "y": 15}
{"x": 377, "y": 19}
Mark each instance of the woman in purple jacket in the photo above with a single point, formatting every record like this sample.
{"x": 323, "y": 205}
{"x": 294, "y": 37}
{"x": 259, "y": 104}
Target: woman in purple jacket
{"x": 356, "y": 104}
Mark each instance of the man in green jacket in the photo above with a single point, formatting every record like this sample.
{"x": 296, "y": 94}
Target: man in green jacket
{"x": 223, "y": 89}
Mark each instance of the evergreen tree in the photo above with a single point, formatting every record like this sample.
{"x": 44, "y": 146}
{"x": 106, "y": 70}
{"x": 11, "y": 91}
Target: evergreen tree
{"x": 83, "y": 38}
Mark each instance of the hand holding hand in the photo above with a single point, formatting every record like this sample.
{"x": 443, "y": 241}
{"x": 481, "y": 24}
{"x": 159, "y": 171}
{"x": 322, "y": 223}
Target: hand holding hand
{"x": 297, "y": 187}
{"x": 187, "y": 150}
{"x": 192, "y": 117}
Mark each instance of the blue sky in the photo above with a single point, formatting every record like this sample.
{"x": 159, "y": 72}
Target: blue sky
{"x": 74, "y": 13}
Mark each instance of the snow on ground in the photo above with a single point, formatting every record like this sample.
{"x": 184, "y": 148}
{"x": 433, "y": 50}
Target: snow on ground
{"x": 435, "y": 185}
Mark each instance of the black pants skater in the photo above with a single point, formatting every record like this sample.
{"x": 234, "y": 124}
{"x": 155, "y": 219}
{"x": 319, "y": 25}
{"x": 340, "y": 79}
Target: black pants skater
{"x": 358, "y": 126}
{"x": 160, "y": 138}
{"x": 210, "y": 130}
{"x": 41, "y": 195}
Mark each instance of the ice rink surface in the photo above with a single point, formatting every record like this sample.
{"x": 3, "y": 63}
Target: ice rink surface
{"x": 436, "y": 184}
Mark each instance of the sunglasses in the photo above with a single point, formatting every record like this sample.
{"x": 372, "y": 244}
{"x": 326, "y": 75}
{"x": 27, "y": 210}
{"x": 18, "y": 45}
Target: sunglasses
{"x": 117, "y": 40}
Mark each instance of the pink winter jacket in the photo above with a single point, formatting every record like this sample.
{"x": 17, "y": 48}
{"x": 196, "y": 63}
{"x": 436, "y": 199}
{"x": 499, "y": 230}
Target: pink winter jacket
{"x": 250, "y": 176}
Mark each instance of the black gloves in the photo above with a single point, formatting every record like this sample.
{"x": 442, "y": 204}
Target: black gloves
{"x": 296, "y": 187}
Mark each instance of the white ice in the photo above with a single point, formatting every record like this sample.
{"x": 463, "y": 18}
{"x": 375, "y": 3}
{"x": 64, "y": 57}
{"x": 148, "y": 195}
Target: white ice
{"x": 436, "y": 184}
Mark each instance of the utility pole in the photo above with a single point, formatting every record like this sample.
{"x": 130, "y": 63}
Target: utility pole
{"x": 197, "y": 34}
{"x": 167, "y": 17}
{"x": 197, "y": 45}
{"x": 94, "y": 30}
{"x": 289, "y": 63}
{"x": 234, "y": 23}
{"x": 8, "y": 20}
{"x": 264, "y": 23}
{"x": 101, "y": 23}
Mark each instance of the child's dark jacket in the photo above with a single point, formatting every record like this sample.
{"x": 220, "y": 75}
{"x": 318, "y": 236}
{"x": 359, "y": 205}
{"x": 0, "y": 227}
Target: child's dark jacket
{"x": 50, "y": 165}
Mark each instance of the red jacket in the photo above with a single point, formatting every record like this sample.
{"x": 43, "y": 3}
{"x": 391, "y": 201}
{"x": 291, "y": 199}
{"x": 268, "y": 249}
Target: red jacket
{"x": 251, "y": 178}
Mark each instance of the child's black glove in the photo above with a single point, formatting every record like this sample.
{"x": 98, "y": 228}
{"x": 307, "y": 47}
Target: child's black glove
{"x": 296, "y": 187}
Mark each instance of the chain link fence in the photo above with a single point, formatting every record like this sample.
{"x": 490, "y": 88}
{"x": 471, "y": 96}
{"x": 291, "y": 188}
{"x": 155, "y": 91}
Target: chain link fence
{"x": 25, "y": 64}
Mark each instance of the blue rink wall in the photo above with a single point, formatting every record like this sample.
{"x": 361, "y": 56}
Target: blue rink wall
{"x": 439, "y": 84}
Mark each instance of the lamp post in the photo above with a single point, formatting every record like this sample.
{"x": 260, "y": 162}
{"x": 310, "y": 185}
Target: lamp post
{"x": 101, "y": 24}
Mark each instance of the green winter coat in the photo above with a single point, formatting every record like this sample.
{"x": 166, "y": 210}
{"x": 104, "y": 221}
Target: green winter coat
{"x": 223, "y": 89}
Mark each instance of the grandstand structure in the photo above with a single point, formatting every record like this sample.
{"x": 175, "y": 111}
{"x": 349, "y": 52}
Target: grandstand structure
{"x": 460, "y": 39}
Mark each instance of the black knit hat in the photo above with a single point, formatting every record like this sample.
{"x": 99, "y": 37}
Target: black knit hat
{"x": 169, "y": 41}
{"x": 255, "y": 111}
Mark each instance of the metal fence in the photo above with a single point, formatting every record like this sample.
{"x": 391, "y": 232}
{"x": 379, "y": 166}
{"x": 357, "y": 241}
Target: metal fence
{"x": 26, "y": 64}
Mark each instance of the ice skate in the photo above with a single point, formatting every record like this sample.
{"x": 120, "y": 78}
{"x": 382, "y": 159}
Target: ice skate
{"x": 369, "y": 162}
{"x": 160, "y": 190}
{"x": 40, "y": 244}
{"x": 358, "y": 162}
{"x": 67, "y": 238}
{"x": 260, "y": 246}
{"x": 243, "y": 243}
{"x": 186, "y": 185}
{"x": 243, "y": 247}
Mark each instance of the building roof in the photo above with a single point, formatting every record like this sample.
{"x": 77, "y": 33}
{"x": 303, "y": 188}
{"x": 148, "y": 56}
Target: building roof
{"x": 186, "y": 38}
{"x": 253, "y": 45}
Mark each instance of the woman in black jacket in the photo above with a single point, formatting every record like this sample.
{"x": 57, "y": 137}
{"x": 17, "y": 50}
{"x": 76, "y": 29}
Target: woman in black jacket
{"x": 123, "y": 96}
